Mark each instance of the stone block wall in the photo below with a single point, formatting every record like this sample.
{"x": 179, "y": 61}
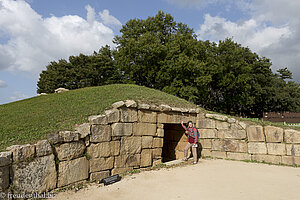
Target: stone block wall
{"x": 130, "y": 136}
{"x": 224, "y": 137}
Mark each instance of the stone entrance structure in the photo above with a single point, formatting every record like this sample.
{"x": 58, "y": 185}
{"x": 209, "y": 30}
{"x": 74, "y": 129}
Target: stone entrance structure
{"x": 129, "y": 136}
{"x": 174, "y": 142}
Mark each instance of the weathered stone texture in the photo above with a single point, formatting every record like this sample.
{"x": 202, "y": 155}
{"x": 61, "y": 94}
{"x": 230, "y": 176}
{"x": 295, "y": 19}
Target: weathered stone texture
{"x": 276, "y": 149}
{"x": 216, "y": 117}
{"x": 147, "y": 116}
{"x": 144, "y": 129}
{"x": 83, "y": 129}
{"x": 146, "y": 158}
{"x": 291, "y": 136}
{"x": 68, "y": 151}
{"x": 208, "y": 133}
{"x": 160, "y": 132}
{"x": 232, "y": 134}
{"x": 158, "y": 142}
{"x": 120, "y": 170}
{"x": 205, "y": 123}
{"x": 5, "y": 158}
{"x": 99, "y": 150}
{"x": 128, "y": 161}
{"x": 4, "y": 178}
{"x": 72, "y": 171}
{"x": 131, "y": 145}
{"x": 69, "y": 136}
{"x": 100, "y": 164}
{"x": 238, "y": 156}
{"x": 293, "y": 149}
{"x": 156, "y": 153}
{"x": 221, "y": 125}
{"x": 147, "y": 142}
{"x": 122, "y": 129}
{"x": 291, "y": 160}
{"x": 267, "y": 158}
{"x": 112, "y": 115}
{"x": 218, "y": 154}
{"x": 229, "y": 145}
{"x": 36, "y": 176}
{"x": 118, "y": 104}
{"x": 98, "y": 119}
{"x": 257, "y": 148}
{"x": 22, "y": 152}
{"x": 128, "y": 115}
{"x": 98, "y": 176}
{"x": 255, "y": 133}
{"x": 273, "y": 134}
{"x": 43, "y": 148}
{"x": 130, "y": 104}
{"x": 205, "y": 143}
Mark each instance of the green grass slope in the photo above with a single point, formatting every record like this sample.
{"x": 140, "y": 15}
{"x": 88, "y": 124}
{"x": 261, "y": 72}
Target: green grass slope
{"x": 32, "y": 119}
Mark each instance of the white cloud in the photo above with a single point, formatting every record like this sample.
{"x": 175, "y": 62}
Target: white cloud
{"x": 2, "y": 84}
{"x": 273, "y": 31}
{"x": 18, "y": 96}
{"x": 34, "y": 41}
{"x": 109, "y": 19}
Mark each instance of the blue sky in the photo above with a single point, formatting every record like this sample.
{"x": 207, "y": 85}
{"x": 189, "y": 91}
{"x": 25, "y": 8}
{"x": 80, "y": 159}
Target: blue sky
{"x": 35, "y": 32}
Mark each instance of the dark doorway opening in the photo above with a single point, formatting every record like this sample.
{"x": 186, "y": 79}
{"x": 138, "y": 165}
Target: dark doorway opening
{"x": 174, "y": 142}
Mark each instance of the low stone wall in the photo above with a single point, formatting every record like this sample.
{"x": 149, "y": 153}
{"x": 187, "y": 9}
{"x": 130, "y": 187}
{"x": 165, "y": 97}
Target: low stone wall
{"x": 223, "y": 137}
{"x": 131, "y": 136}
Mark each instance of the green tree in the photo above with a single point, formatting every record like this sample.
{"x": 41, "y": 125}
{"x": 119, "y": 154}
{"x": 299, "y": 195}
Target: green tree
{"x": 81, "y": 71}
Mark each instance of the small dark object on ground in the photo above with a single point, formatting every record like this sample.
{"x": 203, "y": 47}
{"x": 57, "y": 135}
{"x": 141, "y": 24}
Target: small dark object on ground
{"x": 111, "y": 179}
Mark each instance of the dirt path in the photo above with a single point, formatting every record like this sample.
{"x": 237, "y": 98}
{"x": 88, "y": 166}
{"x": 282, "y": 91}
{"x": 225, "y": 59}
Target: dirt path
{"x": 208, "y": 180}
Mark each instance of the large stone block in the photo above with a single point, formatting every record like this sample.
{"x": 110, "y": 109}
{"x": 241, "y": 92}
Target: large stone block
{"x": 146, "y": 158}
{"x": 5, "y": 158}
{"x": 290, "y": 160}
{"x": 37, "y": 176}
{"x": 100, "y": 133}
{"x": 83, "y": 129}
{"x": 114, "y": 148}
{"x": 205, "y": 143}
{"x": 72, "y": 171}
{"x": 158, "y": 142}
{"x": 257, "y": 148}
{"x": 147, "y": 142}
{"x": 22, "y": 152}
{"x": 291, "y": 136}
{"x": 147, "y": 116}
{"x": 121, "y": 170}
{"x": 238, "y": 156}
{"x": 229, "y": 145}
{"x": 243, "y": 125}
{"x": 232, "y": 134}
{"x": 128, "y": 161}
{"x": 205, "y": 123}
{"x": 222, "y": 125}
{"x": 112, "y": 115}
{"x": 122, "y": 129}
{"x": 43, "y": 148}
{"x": 218, "y": 154}
{"x": 130, "y": 104}
{"x": 98, "y": 150}
{"x": 118, "y": 104}
{"x": 293, "y": 149}
{"x": 128, "y": 115}
{"x": 100, "y": 164}
{"x": 208, "y": 133}
{"x": 273, "y": 134}
{"x": 144, "y": 129}
{"x": 4, "y": 178}
{"x": 98, "y": 119}
{"x": 276, "y": 149}
{"x": 255, "y": 133}
{"x": 206, "y": 153}
{"x": 156, "y": 153}
{"x": 131, "y": 145}
{"x": 216, "y": 117}
{"x": 69, "y": 136}
{"x": 98, "y": 176}
{"x": 165, "y": 118}
{"x": 267, "y": 158}
{"x": 69, "y": 151}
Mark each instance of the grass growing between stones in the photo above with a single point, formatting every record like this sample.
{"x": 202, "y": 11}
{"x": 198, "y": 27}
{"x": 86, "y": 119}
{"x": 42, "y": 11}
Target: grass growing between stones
{"x": 32, "y": 119}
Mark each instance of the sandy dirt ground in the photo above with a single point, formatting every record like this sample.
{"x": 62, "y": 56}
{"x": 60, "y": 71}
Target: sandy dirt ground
{"x": 207, "y": 180}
